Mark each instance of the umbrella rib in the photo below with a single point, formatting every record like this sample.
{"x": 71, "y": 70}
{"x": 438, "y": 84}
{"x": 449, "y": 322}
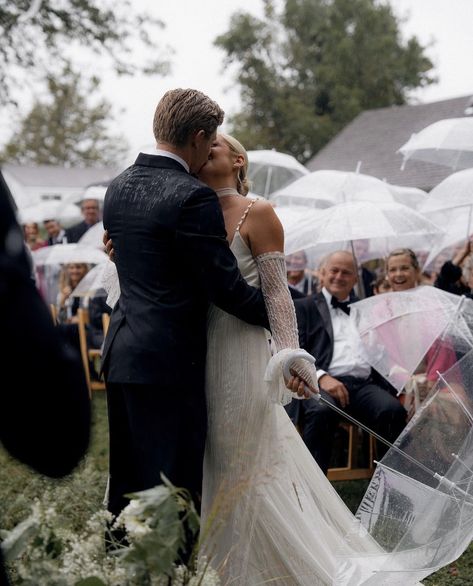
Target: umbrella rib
{"x": 437, "y": 476}
{"x": 375, "y": 435}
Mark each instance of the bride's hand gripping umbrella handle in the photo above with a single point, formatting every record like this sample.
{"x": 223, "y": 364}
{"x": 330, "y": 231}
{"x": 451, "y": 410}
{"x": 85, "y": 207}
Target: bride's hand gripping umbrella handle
{"x": 289, "y": 362}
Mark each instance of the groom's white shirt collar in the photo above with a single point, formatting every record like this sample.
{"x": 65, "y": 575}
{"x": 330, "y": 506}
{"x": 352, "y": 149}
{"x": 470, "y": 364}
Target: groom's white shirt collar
{"x": 163, "y": 153}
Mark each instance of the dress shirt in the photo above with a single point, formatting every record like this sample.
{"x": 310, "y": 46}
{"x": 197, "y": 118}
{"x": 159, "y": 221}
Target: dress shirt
{"x": 163, "y": 153}
{"x": 61, "y": 238}
{"x": 346, "y": 359}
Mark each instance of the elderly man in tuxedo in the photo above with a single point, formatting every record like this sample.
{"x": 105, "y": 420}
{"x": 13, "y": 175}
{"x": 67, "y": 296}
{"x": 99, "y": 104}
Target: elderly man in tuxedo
{"x": 345, "y": 378}
{"x": 90, "y": 209}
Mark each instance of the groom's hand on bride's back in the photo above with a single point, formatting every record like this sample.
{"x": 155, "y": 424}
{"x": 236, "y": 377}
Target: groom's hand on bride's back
{"x": 107, "y": 242}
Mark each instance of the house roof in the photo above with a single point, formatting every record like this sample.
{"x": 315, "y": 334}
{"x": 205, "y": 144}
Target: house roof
{"x": 374, "y": 136}
{"x": 52, "y": 176}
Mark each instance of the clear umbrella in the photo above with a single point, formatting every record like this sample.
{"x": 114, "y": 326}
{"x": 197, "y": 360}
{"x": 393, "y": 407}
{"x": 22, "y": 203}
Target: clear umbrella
{"x": 95, "y": 191}
{"x": 418, "y": 508}
{"x": 409, "y": 196}
{"x": 270, "y": 170}
{"x": 66, "y": 214}
{"x": 67, "y": 253}
{"x": 93, "y": 282}
{"x": 322, "y": 189}
{"x": 93, "y": 237}
{"x": 419, "y": 504}
{"x": 399, "y": 329}
{"x": 446, "y": 142}
{"x": 450, "y": 204}
{"x": 378, "y": 227}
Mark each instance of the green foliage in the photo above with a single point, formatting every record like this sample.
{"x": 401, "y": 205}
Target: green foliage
{"x": 161, "y": 519}
{"x": 37, "y": 33}
{"x": 79, "y": 497}
{"x": 66, "y": 127}
{"x": 308, "y": 70}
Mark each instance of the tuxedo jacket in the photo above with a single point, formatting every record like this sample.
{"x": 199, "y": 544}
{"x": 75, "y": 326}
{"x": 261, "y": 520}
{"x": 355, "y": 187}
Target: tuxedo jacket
{"x": 315, "y": 328}
{"x": 173, "y": 259}
{"x": 74, "y": 233}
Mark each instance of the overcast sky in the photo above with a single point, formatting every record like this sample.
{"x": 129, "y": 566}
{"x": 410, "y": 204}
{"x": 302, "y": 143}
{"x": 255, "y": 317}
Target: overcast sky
{"x": 192, "y": 26}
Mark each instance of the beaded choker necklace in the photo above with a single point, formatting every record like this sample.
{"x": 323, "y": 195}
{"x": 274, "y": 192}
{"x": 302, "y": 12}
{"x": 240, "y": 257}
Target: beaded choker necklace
{"x": 226, "y": 191}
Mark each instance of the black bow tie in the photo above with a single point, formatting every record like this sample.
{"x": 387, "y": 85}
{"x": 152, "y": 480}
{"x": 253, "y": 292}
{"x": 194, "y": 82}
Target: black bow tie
{"x": 343, "y": 305}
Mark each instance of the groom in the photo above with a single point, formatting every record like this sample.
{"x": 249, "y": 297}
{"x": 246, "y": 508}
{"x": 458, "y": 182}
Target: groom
{"x": 172, "y": 259}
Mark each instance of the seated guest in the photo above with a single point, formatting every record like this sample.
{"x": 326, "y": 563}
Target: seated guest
{"x": 67, "y": 305}
{"x": 96, "y": 307}
{"x": 301, "y": 281}
{"x": 381, "y": 285}
{"x": 56, "y": 233}
{"x": 32, "y": 236}
{"x": 403, "y": 273}
{"x": 91, "y": 212}
{"x": 456, "y": 275}
{"x": 345, "y": 378}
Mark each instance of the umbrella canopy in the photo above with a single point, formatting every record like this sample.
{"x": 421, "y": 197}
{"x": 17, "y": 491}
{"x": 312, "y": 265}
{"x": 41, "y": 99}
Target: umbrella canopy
{"x": 446, "y": 142}
{"x": 458, "y": 227}
{"x": 95, "y": 191}
{"x": 419, "y": 504}
{"x": 270, "y": 170}
{"x": 382, "y": 226}
{"x": 67, "y": 253}
{"x": 453, "y": 192}
{"x": 322, "y": 189}
{"x": 398, "y": 329}
{"x": 409, "y": 196}
{"x": 93, "y": 237}
{"x": 94, "y": 281}
{"x": 450, "y": 204}
{"x": 66, "y": 214}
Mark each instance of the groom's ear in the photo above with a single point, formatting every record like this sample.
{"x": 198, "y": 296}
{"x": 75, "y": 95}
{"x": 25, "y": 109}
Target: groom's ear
{"x": 198, "y": 138}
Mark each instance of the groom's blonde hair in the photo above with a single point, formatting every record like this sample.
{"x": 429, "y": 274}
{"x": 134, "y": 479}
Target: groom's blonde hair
{"x": 182, "y": 112}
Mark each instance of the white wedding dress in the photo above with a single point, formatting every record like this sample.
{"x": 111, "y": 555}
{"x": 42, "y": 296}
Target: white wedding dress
{"x": 269, "y": 515}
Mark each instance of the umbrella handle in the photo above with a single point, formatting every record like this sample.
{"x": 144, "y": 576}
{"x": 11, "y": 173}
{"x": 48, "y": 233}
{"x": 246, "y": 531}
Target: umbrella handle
{"x": 290, "y": 359}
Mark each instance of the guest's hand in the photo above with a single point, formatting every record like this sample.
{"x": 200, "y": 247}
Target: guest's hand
{"x": 335, "y": 389}
{"x": 107, "y": 242}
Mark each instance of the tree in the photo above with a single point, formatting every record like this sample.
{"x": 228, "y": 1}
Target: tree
{"x": 66, "y": 128}
{"x": 38, "y": 33}
{"x": 308, "y": 70}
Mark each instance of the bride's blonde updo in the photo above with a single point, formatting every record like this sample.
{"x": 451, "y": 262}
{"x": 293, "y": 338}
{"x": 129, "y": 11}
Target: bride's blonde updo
{"x": 243, "y": 183}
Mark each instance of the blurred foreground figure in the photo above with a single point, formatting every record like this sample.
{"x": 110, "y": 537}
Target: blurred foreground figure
{"x": 45, "y": 413}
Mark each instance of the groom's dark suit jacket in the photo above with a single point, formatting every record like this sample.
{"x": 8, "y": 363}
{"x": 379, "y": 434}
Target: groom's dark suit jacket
{"x": 173, "y": 259}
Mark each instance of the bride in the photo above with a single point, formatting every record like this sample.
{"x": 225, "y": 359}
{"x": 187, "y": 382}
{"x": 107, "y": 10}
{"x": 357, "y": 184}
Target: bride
{"x": 269, "y": 515}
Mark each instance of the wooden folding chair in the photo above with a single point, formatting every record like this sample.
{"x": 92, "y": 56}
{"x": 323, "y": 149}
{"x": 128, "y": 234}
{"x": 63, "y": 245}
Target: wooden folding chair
{"x": 105, "y": 323}
{"x": 53, "y": 311}
{"x": 351, "y": 471}
{"x": 88, "y": 354}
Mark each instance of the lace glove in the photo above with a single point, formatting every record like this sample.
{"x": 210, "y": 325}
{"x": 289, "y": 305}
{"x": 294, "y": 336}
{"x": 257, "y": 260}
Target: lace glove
{"x": 282, "y": 316}
{"x": 111, "y": 284}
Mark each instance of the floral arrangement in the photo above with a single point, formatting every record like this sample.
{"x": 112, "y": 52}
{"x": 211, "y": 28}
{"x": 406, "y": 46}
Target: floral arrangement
{"x": 44, "y": 551}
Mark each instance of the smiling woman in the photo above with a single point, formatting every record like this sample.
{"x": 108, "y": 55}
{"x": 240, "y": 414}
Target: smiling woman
{"x": 402, "y": 269}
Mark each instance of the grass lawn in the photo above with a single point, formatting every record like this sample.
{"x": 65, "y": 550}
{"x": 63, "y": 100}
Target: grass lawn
{"x": 81, "y": 494}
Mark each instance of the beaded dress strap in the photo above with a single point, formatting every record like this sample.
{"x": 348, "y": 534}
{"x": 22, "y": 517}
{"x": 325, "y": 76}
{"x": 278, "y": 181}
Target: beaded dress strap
{"x": 243, "y": 218}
